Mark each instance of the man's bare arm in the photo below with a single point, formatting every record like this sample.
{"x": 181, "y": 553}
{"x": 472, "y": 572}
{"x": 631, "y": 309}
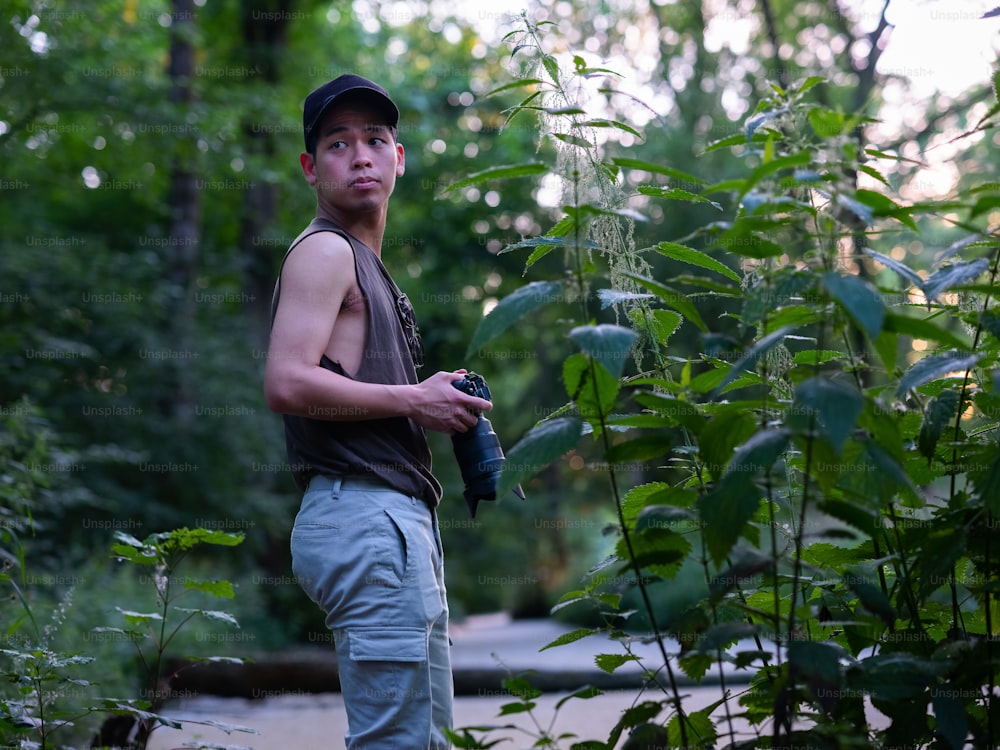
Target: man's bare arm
{"x": 314, "y": 285}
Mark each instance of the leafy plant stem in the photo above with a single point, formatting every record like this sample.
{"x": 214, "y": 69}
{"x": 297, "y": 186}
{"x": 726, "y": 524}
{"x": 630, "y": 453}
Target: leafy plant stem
{"x": 905, "y": 568}
{"x": 640, "y": 582}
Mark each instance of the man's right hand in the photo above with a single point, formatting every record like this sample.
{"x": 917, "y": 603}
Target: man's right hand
{"x": 438, "y": 405}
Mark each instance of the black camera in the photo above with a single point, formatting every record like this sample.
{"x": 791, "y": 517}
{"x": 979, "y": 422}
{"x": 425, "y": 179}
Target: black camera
{"x": 478, "y": 451}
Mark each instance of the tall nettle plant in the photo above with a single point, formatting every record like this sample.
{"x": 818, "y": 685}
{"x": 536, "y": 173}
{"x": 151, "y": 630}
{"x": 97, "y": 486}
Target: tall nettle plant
{"x": 835, "y": 490}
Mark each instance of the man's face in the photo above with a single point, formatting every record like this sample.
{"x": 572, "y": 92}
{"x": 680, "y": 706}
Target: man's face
{"x": 356, "y": 160}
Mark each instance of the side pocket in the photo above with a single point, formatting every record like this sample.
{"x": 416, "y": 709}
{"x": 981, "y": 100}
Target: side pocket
{"x": 393, "y": 552}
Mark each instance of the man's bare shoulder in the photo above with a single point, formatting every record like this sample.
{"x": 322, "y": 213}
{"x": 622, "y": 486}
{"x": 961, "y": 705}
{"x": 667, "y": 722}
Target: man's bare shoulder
{"x": 326, "y": 248}
{"x": 320, "y": 270}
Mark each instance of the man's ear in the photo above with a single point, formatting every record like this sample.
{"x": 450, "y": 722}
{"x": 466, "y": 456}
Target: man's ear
{"x": 308, "y": 167}
{"x": 401, "y": 161}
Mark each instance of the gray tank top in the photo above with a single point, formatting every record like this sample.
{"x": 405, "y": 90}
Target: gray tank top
{"x": 394, "y": 450}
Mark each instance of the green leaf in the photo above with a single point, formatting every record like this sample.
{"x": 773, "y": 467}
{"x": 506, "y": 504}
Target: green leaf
{"x": 508, "y": 709}
{"x": 748, "y": 362}
{"x": 862, "y": 301}
{"x": 896, "y": 676}
{"x": 871, "y": 597}
{"x": 699, "y": 729}
{"x": 748, "y": 565}
{"x": 986, "y": 480}
{"x": 612, "y": 297}
{"x": 696, "y": 258}
{"x": 882, "y": 205}
{"x": 221, "y": 589}
{"x": 819, "y": 664}
{"x": 672, "y": 298}
{"x": 856, "y": 515}
{"x": 938, "y": 415}
{"x": 139, "y": 618}
{"x": 591, "y": 387}
{"x": 722, "y": 434}
{"x": 920, "y": 328}
{"x": 935, "y": 366}
{"x": 543, "y": 444}
{"x": 505, "y": 172}
{"x": 950, "y": 717}
{"x": 602, "y": 123}
{"x": 548, "y": 242}
{"x": 756, "y": 120}
{"x": 827, "y": 122}
{"x": 757, "y": 455}
{"x": 836, "y": 407}
{"x": 725, "y": 510}
{"x": 520, "y": 687}
{"x": 661, "y": 323}
{"x": 573, "y": 140}
{"x": 954, "y": 275}
{"x": 584, "y": 693}
{"x": 610, "y": 662}
{"x": 611, "y": 345}
{"x": 512, "y": 309}
{"x": 903, "y": 270}
{"x": 571, "y": 637}
{"x": 657, "y": 169}
{"x": 725, "y": 634}
{"x": 212, "y": 614}
{"x": 676, "y": 194}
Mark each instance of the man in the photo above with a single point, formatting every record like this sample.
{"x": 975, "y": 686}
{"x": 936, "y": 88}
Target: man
{"x": 341, "y": 369}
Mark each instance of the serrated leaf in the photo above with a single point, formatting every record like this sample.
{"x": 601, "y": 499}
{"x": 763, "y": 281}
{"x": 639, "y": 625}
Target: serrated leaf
{"x": 211, "y": 614}
{"x": 856, "y": 515}
{"x": 903, "y": 270}
{"x": 696, "y": 258}
{"x": 749, "y": 360}
{"x": 602, "y": 123}
{"x": 954, "y": 275}
{"x": 862, "y": 301}
{"x": 508, "y": 709}
{"x": 699, "y": 730}
{"x": 676, "y": 194}
{"x": 584, "y": 693}
{"x": 755, "y": 121}
{"x": 935, "y": 366}
{"x": 725, "y": 634}
{"x": 611, "y": 662}
{"x": 938, "y": 415}
{"x": 950, "y": 717}
{"x": 672, "y": 298}
{"x": 920, "y": 328}
{"x": 612, "y": 297}
{"x": 221, "y": 589}
{"x": 725, "y": 510}
{"x": 571, "y": 637}
{"x": 520, "y": 687}
{"x": 611, "y": 345}
{"x": 512, "y": 309}
{"x": 987, "y": 481}
{"x": 657, "y": 169}
{"x": 505, "y": 172}
{"x": 871, "y": 597}
{"x": 819, "y": 664}
{"x": 543, "y": 444}
{"x": 591, "y": 387}
{"x": 758, "y": 454}
{"x": 829, "y": 405}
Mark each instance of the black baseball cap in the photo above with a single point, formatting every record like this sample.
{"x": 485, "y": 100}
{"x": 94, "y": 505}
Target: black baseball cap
{"x": 343, "y": 87}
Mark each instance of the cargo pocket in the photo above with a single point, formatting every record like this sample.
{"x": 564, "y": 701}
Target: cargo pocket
{"x": 388, "y": 644}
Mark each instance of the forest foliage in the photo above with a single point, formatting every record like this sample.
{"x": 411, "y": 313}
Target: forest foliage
{"x": 743, "y": 360}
